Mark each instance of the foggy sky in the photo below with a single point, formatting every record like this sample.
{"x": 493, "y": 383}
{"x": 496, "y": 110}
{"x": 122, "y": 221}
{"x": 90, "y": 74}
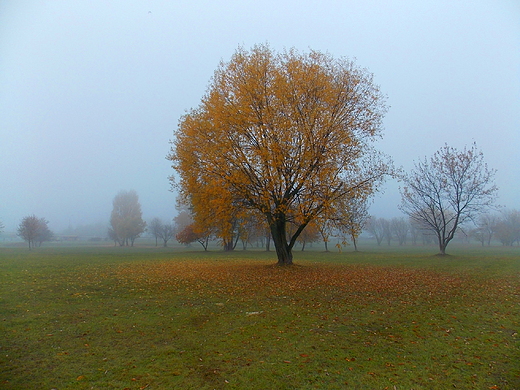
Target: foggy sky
{"x": 91, "y": 91}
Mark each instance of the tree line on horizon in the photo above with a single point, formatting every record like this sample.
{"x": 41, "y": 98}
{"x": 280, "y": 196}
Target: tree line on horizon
{"x": 503, "y": 227}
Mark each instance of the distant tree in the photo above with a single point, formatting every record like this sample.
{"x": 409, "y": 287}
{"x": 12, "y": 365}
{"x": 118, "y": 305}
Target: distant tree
{"x": 309, "y": 235}
{"x": 154, "y": 227}
{"x": 400, "y": 228}
{"x": 352, "y": 219}
{"x": 34, "y": 230}
{"x": 387, "y": 231}
{"x": 376, "y": 227}
{"x": 93, "y": 230}
{"x": 452, "y": 188}
{"x": 113, "y": 236}
{"x": 250, "y": 229}
{"x": 183, "y": 219}
{"x": 325, "y": 228}
{"x": 166, "y": 233}
{"x": 1, "y": 227}
{"x": 44, "y": 233}
{"x": 507, "y": 228}
{"x": 485, "y": 228}
{"x": 189, "y": 234}
{"x": 126, "y": 219}
{"x": 288, "y": 135}
{"x": 415, "y": 231}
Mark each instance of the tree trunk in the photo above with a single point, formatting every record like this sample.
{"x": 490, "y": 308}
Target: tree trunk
{"x": 443, "y": 243}
{"x": 283, "y": 250}
{"x": 228, "y": 245}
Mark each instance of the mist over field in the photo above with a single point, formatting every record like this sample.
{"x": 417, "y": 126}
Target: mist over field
{"x": 91, "y": 92}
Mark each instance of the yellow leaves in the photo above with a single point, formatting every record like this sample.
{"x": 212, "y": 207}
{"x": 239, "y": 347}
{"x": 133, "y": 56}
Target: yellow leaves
{"x": 237, "y": 278}
{"x": 279, "y": 133}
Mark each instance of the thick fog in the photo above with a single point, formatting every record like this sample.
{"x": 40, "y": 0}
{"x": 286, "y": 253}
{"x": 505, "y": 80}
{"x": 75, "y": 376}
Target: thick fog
{"x": 91, "y": 91}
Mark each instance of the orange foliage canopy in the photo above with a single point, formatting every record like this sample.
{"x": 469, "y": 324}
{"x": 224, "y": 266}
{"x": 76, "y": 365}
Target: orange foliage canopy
{"x": 286, "y": 136}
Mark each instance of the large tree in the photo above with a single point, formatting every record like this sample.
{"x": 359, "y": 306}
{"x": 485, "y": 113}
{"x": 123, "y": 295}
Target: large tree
{"x": 126, "y": 222}
{"x": 453, "y": 187}
{"x": 34, "y": 230}
{"x": 285, "y": 135}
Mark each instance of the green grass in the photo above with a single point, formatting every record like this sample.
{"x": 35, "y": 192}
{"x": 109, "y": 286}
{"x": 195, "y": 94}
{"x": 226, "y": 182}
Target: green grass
{"x": 154, "y": 318}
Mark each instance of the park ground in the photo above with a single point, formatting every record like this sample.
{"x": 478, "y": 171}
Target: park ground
{"x": 160, "y": 318}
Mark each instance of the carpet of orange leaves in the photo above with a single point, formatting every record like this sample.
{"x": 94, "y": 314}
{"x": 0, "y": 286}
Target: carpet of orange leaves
{"x": 246, "y": 278}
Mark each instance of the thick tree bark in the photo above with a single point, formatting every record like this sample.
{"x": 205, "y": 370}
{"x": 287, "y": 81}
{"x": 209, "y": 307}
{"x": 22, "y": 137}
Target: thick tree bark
{"x": 228, "y": 246}
{"x": 442, "y": 249}
{"x": 279, "y": 234}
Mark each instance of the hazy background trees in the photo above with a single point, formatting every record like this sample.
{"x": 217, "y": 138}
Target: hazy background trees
{"x": 485, "y": 228}
{"x": 449, "y": 189}
{"x": 376, "y": 227}
{"x": 153, "y": 227}
{"x": 166, "y": 233}
{"x": 126, "y": 220}
{"x": 507, "y": 228}
{"x": 160, "y": 230}
{"x": 400, "y": 228}
{"x": 34, "y": 230}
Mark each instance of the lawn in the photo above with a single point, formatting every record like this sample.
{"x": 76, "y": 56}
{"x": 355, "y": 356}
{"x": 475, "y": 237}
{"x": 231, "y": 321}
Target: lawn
{"x": 150, "y": 318}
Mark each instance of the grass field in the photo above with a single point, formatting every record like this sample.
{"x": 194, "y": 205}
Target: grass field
{"x": 150, "y": 318}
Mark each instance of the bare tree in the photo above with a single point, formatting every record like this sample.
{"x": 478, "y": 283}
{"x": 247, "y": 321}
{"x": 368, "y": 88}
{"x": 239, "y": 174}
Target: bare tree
{"x": 387, "y": 230}
{"x": 452, "y": 188}
{"x": 166, "y": 233}
{"x": 352, "y": 220}
{"x": 415, "y": 231}
{"x": 400, "y": 228}
{"x": 154, "y": 227}
{"x": 508, "y": 228}
{"x": 485, "y": 228}
{"x": 34, "y": 230}
{"x": 376, "y": 227}
{"x": 325, "y": 228}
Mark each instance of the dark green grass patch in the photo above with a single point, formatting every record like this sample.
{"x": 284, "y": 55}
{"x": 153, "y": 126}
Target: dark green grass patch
{"x": 122, "y": 318}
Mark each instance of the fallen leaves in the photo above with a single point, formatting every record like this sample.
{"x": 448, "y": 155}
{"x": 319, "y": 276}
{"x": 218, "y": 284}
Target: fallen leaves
{"x": 242, "y": 279}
